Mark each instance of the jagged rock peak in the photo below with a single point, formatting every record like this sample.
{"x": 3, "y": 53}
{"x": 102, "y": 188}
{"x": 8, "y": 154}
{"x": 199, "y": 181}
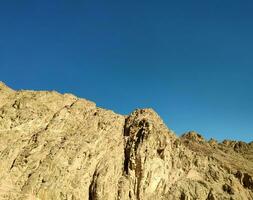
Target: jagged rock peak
{"x": 193, "y": 136}
{"x": 145, "y": 118}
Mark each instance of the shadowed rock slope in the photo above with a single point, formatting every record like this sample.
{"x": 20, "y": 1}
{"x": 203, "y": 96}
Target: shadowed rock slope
{"x": 55, "y": 146}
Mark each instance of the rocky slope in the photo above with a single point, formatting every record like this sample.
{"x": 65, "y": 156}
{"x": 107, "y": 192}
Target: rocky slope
{"x": 55, "y": 146}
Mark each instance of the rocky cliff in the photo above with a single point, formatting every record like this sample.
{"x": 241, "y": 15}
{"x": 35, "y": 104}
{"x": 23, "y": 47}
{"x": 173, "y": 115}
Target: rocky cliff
{"x": 57, "y": 146}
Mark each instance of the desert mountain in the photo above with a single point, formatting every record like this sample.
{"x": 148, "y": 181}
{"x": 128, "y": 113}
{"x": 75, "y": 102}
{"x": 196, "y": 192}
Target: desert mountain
{"x": 58, "y": 146}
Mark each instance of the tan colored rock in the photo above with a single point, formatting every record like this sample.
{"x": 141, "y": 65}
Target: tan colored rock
{"x": 55, "y": 146}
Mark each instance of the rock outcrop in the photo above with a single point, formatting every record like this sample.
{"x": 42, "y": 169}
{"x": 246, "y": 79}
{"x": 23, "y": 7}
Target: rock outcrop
{"x": 57, "y": 146}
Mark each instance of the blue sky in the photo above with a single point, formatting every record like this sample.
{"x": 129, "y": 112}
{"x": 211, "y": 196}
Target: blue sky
{"x": 192, "y": 61}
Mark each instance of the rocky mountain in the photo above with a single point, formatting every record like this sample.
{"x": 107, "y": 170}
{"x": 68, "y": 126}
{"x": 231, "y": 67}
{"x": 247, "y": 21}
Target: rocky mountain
{"x": 57, "y": 146}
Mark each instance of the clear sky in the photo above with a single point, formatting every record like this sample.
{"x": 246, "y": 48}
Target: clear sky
{"x": 192, "y": 61}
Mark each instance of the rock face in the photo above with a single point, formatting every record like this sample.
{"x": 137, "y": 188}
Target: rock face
{"x": 55, "y": 146}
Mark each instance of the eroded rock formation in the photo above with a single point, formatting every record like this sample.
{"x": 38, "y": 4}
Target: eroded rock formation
{"x": 58, "y": 146}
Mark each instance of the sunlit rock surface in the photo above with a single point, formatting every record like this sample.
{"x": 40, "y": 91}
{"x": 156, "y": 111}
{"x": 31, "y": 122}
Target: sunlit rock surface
{"x": 57, "y": 146}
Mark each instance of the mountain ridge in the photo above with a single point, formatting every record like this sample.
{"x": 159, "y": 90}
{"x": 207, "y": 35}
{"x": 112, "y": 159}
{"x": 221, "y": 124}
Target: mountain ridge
{"x": 59, "y": 146}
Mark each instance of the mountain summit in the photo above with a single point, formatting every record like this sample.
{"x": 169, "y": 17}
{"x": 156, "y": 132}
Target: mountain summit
{"x": 58, "y": 146}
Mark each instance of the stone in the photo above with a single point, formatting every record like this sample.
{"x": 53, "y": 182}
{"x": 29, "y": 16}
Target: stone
{"x": 58, "y": 146}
